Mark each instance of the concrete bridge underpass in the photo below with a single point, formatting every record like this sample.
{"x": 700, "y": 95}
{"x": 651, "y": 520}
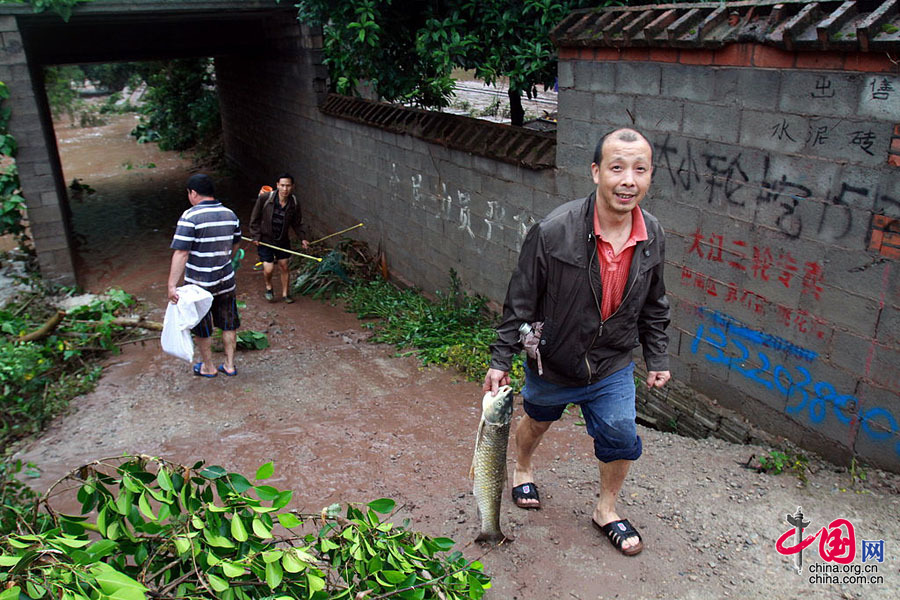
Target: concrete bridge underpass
{"x": 110, "y": 31}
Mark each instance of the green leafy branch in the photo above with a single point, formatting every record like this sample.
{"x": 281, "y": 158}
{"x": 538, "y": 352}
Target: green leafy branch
{"x": 161, "y": 530}
{"x": 61, "y": 7}
{"x": 38, "y": 377}
{"x": 12, "y": 204}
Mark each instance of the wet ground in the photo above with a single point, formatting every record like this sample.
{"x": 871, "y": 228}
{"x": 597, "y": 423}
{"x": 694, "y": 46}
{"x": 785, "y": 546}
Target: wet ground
{"x": 345, "y": 420}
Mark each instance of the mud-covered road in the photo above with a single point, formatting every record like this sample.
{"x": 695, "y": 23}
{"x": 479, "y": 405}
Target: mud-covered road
{"x": 346, "y": 420}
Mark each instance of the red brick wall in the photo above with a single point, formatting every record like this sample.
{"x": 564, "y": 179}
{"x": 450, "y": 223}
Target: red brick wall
{"x": 742, "y": 55}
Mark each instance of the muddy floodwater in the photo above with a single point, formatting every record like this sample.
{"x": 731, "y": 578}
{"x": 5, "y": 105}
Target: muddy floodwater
{"x": 123, "y": 228}
{"x": 345, "y": 420}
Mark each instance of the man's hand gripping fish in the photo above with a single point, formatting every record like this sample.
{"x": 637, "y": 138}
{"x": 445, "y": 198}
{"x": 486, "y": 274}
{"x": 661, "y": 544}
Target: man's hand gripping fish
{"x": 489, "y": 462}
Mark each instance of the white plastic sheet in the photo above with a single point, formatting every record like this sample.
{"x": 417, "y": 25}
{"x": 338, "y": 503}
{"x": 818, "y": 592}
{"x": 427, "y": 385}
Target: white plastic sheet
{"x": 193, "y": 304}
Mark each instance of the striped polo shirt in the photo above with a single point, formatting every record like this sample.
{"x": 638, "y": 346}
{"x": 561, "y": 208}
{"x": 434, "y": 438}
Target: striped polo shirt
{"x": 208, "y": 231}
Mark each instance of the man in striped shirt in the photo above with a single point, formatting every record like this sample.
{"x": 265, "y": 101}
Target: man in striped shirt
{"x": 205, "y": 238}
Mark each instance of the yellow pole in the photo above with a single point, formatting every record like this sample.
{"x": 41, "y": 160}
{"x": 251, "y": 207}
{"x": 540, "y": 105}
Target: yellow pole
{"x": 316, "y": 258}
{"x": 337, "y": 233}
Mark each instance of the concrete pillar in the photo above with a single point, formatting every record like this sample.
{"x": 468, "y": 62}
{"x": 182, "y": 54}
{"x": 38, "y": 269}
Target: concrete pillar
{"x": 42, "y": 187}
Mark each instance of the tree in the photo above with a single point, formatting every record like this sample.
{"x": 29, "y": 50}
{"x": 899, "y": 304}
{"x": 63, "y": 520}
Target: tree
{"x": 407, "y": 49}
{"x": 181, "y": 108}
{"x": 113, "y": 77}
{"x": 502, "y": 38}
{"x": 373, "y": 42}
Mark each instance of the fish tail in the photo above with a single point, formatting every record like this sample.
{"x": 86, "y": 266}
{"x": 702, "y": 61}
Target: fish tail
{"x": 491, "y": 537}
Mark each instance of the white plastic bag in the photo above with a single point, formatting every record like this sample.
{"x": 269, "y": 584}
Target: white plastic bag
{"x": 193, "y": 304}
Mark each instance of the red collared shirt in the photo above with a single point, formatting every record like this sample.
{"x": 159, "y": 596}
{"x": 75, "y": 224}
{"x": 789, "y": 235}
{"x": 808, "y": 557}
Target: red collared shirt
{"x": 614, "y": 267}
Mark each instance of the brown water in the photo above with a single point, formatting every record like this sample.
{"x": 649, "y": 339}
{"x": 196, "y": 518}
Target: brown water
{"x": 122, "y": 231}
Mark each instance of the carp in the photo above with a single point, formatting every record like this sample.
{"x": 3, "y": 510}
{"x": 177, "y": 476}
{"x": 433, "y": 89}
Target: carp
{"x": 489, "y": 463}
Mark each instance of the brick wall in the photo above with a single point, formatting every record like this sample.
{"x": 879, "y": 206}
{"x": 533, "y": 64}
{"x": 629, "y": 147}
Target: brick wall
{"x": 776, "y": 180}
{"x": 430, "y": 207}
{"x": 775, "y": 187}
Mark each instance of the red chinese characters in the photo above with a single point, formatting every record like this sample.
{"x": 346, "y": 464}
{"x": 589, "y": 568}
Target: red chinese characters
{"x": 795, "y": 318}
{"x": 761, "y": 262}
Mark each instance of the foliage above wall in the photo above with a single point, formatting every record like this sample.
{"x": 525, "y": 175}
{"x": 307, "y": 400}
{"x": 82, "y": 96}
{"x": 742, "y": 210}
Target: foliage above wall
{"x": 61, "y": 7}
{"x": 407, "y": 49}
{"x": 181, "y": 107}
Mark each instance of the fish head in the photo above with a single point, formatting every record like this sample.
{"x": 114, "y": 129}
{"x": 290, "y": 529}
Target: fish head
{"x": 497, "y": 409}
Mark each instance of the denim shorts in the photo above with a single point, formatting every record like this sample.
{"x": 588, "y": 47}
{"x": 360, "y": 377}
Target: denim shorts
{"x": 223, "y": 314}
{"x": 607, "y": 406}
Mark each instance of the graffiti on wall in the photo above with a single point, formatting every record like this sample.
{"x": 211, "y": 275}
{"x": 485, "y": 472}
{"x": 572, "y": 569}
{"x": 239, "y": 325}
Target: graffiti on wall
{"x": 733, "y": 270}
{"x": 735, "y": 346}
{"x": 796, "y": 319}
{"x": 761, "y": 264}
{"x": 746, "y": 182}
{"x": 455, "y": 207}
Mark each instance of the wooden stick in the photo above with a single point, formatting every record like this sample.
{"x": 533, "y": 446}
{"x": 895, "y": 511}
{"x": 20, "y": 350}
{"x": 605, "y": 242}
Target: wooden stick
{"x": 129, "y": 322}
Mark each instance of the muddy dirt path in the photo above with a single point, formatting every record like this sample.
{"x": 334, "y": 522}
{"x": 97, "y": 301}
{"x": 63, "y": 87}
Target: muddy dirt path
{"x": 346, "y": 420}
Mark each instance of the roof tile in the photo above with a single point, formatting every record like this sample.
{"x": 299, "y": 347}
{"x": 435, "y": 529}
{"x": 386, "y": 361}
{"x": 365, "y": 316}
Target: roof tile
{"x": 516, "y": 145}
{"x": 842, "y": 25}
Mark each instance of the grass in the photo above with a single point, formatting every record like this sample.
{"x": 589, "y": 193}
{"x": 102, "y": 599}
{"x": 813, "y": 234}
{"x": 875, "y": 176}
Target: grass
{"x": 453, "y": 330}
{"x": 778, "y": 461}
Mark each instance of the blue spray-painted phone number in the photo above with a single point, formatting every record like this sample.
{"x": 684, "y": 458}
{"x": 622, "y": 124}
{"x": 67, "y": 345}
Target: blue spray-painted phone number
{"x": 781, "y": 379}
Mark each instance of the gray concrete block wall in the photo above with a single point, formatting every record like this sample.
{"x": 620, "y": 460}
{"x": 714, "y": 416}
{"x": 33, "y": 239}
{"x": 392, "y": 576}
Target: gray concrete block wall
{"x": 767, "y": 183}
{"x": 39, "y": 170}
{"x": 432, "y": 209}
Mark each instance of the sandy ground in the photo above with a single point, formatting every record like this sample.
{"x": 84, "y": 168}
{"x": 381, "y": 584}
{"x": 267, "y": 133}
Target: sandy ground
{"x": 345, "y": 420}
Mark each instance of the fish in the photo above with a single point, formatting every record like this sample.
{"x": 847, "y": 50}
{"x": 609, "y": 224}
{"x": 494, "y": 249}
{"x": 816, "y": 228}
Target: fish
{"x": 489, "y": 462}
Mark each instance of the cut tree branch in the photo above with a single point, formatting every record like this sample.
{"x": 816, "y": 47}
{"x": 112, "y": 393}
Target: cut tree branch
{"x": 45, "y": 329}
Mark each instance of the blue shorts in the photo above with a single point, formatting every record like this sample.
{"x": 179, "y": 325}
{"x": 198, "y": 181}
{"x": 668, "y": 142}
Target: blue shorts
{"x": 607, "y": 406}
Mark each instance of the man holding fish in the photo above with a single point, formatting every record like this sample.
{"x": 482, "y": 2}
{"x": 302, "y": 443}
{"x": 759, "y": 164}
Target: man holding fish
{"x": 587, "y": 290}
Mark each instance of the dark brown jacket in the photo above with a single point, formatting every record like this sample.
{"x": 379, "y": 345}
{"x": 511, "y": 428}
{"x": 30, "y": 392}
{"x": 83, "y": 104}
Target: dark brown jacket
{"x": 557, "y": 281}
{"x": 261, "y": 217}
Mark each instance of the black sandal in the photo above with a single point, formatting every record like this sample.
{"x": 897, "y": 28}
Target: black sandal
{"x": 526, "y": 491}
{"x": 619, "y": 531}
